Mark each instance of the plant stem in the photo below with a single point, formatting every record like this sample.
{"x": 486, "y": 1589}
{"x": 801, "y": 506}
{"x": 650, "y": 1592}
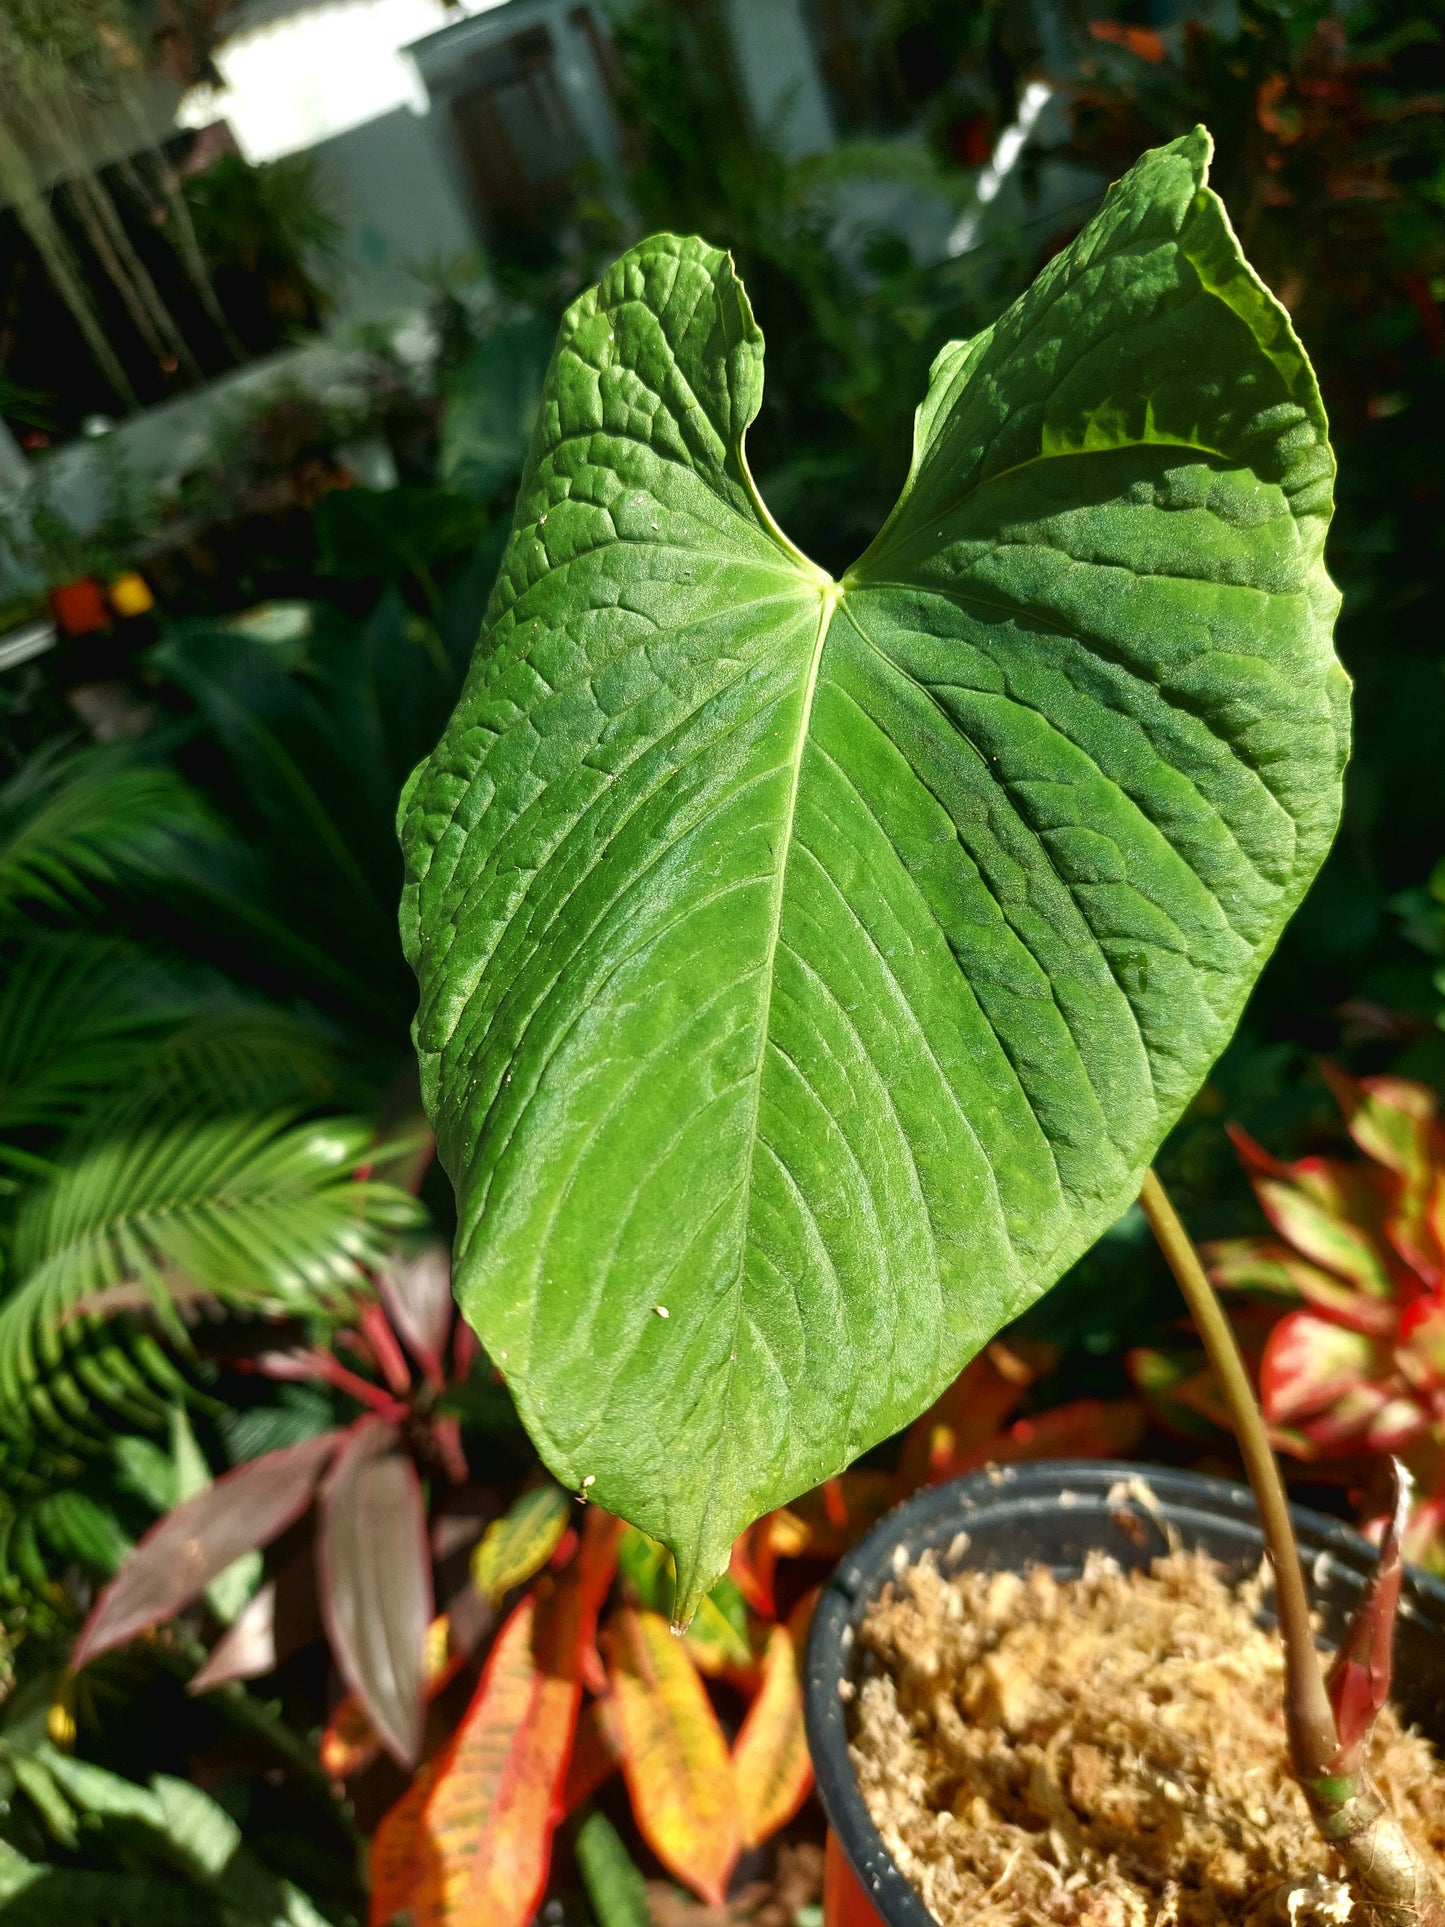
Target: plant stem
{"x": 1313, "y": 1741}
{"x": 1397, "y": 1888}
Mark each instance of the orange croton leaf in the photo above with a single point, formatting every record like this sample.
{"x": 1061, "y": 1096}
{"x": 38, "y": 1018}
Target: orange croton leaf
{"x": 484, "y": 1844}
{"x": 350, "y": 1741}
{"x": 834, "y": 1516}
{"x": 675, "y": 1759}
{"x": 1141, "y": 41}
{"x": 971, "y": 1411}
{"x": 396, "y": 1849}
{"x": 755, "y": 1556}
{"x": 596, "y": 1755}
{"x": 821, "y": 1524}
{"x": 770, "y": 1755}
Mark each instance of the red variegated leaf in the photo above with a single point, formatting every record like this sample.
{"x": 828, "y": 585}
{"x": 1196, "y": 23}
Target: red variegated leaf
{"x": 1399, "y": 1421}
{"x": 1422, "y": 1343}
{"x": 497, "y": 1792}
{"x": 350, "y": 1741}
{"x": 1331, "y": 1212}
{"x": 1395, "y": 1122}
{"x": 375, "y": 1582}
{"x": 1435, "y": 1213}
{"x": 770, "y": 1755}
{"x": 1264, "y": 1266}
{"x": 675, "y": 1759}
{"x": 417, "y": 1294}
{"x": 180, "y": 1555}
{"x": 835, "y": 1516}
{"x": 1326, "y": 1380}
{"x": 1391, "y": 1119}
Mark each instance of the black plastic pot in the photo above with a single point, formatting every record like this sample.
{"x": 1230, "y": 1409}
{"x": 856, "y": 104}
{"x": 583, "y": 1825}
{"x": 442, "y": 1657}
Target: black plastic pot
{"x": 1054, "y": 1513}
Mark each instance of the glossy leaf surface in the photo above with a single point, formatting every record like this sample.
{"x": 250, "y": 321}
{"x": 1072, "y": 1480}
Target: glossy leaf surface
{"x": 675, "y": 1759}
{"x": 375, "y": 1583}
{"x": 810, "y": 969}
{"x": 417, "y": 1294}
{"x": 350, "y": 1741}
{"x": 522, "y": 1541}
{"x": 482, "y": 1840}
{"x": 181, "y": 1555}
{"x": 770, "y": 1755}
{"x": 616, "y": 1889}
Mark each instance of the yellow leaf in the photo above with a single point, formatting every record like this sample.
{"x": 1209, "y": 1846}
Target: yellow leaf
{"x": 481, "y": 1845}
{"x": 675, "y": 1759}
{"x": 518, "y": 1545}
{"x": 770, "y": 1756}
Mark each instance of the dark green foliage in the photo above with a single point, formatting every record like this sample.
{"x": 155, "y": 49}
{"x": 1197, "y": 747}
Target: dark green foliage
{"x": 171, "y": 1095}
{"x": 270, "y": 224}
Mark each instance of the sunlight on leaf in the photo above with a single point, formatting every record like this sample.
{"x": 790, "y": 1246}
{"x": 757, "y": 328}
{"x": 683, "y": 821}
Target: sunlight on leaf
{"x": 810, "y": 969}
{"x": 520, "y": 1543}
{"x": 675, "y": 1759}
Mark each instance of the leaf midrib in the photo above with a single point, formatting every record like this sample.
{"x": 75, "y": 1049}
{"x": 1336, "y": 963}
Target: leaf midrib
{"x": 830, "y": 594}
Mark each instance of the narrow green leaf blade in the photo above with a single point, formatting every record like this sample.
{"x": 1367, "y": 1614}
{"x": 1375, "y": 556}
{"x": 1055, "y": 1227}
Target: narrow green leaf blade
{"x": 616, "y": 1889}
{"x": 810, "y": 970}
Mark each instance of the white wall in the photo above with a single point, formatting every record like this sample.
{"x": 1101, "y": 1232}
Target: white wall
{"x": 400, "y": 210}
{"x": 778, "y": 70}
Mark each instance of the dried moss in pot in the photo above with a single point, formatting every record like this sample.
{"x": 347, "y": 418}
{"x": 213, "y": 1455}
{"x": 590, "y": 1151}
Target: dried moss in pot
{"x": 1107, "y": 1751}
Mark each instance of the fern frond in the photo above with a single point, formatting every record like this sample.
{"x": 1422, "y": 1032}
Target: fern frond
{"x": 79, "y": 1016}
{"x": 257, "y": 1211}
{"x": 73, "y": 822}
{"x": 226, "y": 1056}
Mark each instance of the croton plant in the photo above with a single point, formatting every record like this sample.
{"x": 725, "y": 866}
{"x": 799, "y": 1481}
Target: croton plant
{"x": 1358, "y": 1367}
{"x": 586, "y": 1677}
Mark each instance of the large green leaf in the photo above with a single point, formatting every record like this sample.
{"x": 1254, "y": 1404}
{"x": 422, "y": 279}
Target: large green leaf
{"x": 820, "y": 963}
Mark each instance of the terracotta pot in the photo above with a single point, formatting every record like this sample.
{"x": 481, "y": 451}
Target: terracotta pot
{"x": 1054, "y": 1513}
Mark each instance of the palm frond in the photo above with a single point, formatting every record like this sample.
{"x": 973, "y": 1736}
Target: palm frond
{"x": 256, "y": 1211}
{"x": 71, "y": 823}
{"x": 227, "y": 1056}
{"x": 79, "y": 1016}
{"x": 96, "y": 1035}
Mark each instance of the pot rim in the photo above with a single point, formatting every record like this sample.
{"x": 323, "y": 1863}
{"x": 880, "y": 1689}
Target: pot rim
{"x": 1337, "y": 1560}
